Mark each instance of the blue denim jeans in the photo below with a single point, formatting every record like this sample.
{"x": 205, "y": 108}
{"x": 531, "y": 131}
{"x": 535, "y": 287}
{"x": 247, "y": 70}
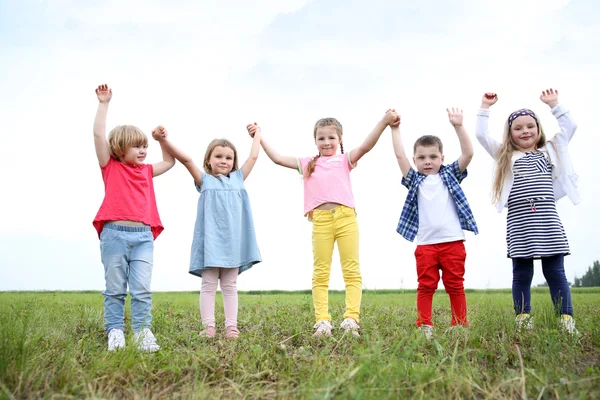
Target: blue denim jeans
{"x": 553, "y": 268}
{"x": 128, "y": 255}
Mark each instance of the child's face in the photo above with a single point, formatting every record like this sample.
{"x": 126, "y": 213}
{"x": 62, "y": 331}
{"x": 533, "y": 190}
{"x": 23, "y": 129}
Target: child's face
{"x": 428, "y": 159}
{"x": 524, "y": 133}
{"x": 327, "y": 140}
{"x": 221, "y": 160}
{"x": 135, "y": 155}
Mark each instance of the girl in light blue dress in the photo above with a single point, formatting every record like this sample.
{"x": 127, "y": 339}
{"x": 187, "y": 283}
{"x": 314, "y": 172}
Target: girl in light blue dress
{"x": 224, "y": 242}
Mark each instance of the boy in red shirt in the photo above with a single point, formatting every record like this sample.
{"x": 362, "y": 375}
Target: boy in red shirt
{"x": 127, "y": 224}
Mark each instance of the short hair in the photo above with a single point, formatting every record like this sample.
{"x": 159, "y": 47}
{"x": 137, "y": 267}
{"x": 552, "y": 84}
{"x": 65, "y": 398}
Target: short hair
{"x": 211, "y": 147}
{"x": 428, "y": 141}
{"x": 122, "y": 137}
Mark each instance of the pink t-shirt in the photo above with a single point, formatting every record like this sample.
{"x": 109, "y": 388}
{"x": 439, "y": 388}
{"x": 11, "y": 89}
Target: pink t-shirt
{"x": 129, "y": 195}
{"x": 329, "y": 182}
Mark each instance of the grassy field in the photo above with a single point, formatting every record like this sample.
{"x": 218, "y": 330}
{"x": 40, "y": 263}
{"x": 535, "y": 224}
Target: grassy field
{"x": 52, "y": 345}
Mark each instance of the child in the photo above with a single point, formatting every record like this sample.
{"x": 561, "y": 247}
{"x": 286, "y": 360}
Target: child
{"x": 127, "y": 224}
{"x": 224, "y": 242}
{"x": 530, "y": 177}
{"x": 329, "y": 204}
{"x": 436, "y": 211}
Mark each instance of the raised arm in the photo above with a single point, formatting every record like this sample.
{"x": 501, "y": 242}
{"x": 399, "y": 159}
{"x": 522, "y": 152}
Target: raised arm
{"x": 466, "y": 147}
{"x": 389, "y": 118}
{"x": 403, "y": 162}
{"x": 565, "y": 120}
{"x": 104, "y": 94}
{"x": 168, "y": 161}
{"x": 161, "y": 136}
{"x": 284, "y": 161}
{"x": 249, "y": 164}
{"x": 482, "y": 132}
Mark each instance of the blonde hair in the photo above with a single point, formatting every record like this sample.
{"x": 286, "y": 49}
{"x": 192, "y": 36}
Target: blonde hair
{"x": 504, "y": 156}
{"x": 211, "y": 147}
{"x": 322, "y": 123}
{"x": 122, "y": 137}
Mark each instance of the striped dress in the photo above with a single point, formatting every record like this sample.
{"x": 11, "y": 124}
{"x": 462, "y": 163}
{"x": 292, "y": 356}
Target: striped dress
{"x": 533, "y": 227}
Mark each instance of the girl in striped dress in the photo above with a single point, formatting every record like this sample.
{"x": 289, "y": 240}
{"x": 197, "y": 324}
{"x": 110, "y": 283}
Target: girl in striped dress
{"x": 531, "y": 174}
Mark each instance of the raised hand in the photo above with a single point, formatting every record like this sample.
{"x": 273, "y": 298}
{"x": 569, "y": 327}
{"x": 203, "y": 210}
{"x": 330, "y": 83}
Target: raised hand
{"x": 252, "y": 129}
{"x": 550, "y": 97}
{"x": 104, "y": 93}
{"x": 488, "y": 99}
{"x": 160, "y": 133}
{"x": 391, "y": 117}
{"x": 455, "y": 115}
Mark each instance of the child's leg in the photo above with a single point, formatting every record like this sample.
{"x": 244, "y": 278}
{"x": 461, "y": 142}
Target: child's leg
{"x": 452, "y": 260}
{"x": 208, "y": 291}
{"x": 428, "y": 276}
{"x": 230, "y": 295}
{"x": 113, "y": 250}
{"x": 141, "y": 260}
{"x": 521, "y": 286}
{"x": 554, "y": 272}
{"x": 323, "y": 239}
{"x": 346, "y": 231}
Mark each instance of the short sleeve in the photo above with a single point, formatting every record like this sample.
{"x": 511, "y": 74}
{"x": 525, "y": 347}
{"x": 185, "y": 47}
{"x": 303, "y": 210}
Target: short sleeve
{"x": 455, "y": 170}
{"x": 409, "y": 179}
{"x": 198, "y": 187}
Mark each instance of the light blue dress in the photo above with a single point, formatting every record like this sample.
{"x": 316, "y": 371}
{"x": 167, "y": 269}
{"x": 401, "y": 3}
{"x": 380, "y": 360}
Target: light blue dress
{"x": 224, "y": 233}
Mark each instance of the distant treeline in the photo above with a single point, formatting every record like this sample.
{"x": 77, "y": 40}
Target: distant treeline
{"x": 590, "y": 278}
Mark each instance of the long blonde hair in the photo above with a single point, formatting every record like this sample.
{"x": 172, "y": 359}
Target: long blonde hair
{"x": 211, "y": 147}
{"x": 322, "y": 123}
{"x": 504, "y": 157}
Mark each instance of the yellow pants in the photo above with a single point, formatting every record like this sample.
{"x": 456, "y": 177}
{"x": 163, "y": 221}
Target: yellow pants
{"x": 328, "y": 226}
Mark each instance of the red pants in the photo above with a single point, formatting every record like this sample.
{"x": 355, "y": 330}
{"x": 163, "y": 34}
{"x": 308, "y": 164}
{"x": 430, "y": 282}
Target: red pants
{"x": 450, "y": 258}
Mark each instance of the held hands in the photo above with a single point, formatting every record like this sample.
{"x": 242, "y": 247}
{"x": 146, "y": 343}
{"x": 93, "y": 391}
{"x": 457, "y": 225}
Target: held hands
{"x": 550, "y": 97}
{"x": 488, "y": 99}
{"x": 104, "y": 93}
{"x": 253, "y": 129}
{"x": 455, "y": 115}
{"x": 160, "y": 133}
{"x": 392, "y": 118}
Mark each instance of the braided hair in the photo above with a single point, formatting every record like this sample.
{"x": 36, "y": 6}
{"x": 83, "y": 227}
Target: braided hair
{"x": 323, "y": 122}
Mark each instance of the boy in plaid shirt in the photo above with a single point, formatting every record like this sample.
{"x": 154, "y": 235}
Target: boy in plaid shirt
{"x": 436, "y": 211}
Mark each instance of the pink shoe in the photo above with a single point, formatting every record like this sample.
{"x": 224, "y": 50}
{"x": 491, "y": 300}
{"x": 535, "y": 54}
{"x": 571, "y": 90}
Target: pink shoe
{"x": 232, "y": 332}
{"x": 209, "y": 332}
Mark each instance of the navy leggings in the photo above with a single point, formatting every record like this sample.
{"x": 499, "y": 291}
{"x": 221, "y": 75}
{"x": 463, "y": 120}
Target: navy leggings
{"x": 554, "y": 272}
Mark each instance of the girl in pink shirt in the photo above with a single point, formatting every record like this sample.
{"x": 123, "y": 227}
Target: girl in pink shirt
{"x": 329, "y": 204}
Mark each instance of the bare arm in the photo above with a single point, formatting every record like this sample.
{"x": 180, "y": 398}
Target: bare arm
{"x": 168, "y": 162}
{"x": 356, "y": 154}
{"x": 182, "y": 157}
{"x": 104, "y": 94}
{"x": 284, "y": 161}
{"x": 466, "y": 147}
{"x": 403, "y": 162}
{"x": 249, "y": 164}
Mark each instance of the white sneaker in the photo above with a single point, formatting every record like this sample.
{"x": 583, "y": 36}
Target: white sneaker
{"x": 568, "y": 324}
{"x": 349, "y": 325}
{"x": 427, "y": 331}
{"x": 146, "y": 341}
{"x": 116, "y": 339}
{"x": 524, "y": 322}
{"x": 323, "y": 328}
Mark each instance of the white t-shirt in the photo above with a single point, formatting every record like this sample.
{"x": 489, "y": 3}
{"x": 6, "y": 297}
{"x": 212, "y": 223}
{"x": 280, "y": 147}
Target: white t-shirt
{"x": 438, "y": 217}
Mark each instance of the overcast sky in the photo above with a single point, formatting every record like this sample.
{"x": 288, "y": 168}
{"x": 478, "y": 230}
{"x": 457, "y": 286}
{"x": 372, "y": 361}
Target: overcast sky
{"x": 205, "y": 70}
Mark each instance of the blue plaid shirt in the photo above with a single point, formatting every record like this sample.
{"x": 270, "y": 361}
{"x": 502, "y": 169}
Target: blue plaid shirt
{"x": 408, "y": 226}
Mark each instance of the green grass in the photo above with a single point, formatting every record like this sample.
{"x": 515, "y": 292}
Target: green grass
{"x": 52, "y": 345}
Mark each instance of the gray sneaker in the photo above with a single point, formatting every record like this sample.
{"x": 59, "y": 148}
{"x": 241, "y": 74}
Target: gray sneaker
{"x": 349, "y": 325}
{"x": 427, "y": 331}
{"x": 146, "y": 341}
{"x": 116, "y": 339}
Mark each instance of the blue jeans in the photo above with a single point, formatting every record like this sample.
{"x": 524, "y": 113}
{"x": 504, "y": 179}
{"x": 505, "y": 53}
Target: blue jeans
{"x": 127, "y": 255}
{"x": 553, "y": 268}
